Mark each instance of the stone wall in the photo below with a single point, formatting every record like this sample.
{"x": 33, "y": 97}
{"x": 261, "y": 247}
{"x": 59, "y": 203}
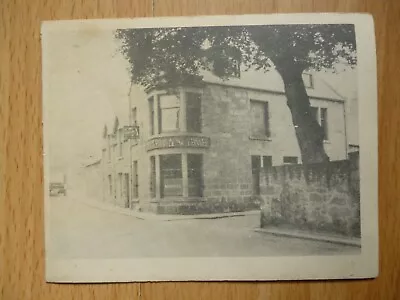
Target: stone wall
{"x": 320, "y": 197}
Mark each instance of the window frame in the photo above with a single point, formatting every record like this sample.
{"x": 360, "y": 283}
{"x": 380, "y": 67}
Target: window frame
{"x": 160, "y": 114}
{"x": 200, "y": 112}
{"x": 266, "y": 119}
{"x": 290, "y": 157}
{"x": 134, "y": 116}
{"x": 321, "y": 120}
{"x": 153, "y": 176}
{"x": 162, "y": 177}
{"x": 191, "y": 157}
{"x": 120, "y": 142}
{"x": 151, "y": 104}
{"x": 324, "y": 122}
{"x": 308, "y": 80}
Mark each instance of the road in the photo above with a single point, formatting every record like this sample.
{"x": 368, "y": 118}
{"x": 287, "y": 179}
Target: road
{"x": 81, "y": 231}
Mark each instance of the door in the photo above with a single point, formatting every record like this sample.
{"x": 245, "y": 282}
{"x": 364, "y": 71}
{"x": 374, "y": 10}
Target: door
{"x": 255, "y": 171}
{"x": 126, "y": 190}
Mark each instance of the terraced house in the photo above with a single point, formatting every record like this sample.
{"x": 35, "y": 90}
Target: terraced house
{"x": 200, "y": 148}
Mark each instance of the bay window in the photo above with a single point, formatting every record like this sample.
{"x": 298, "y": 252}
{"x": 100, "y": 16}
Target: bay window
{"x": 171, "y": 175}
{"x": 195, "y": 175}
{"x": 193, "y": 112}
{"x": 168, "y": 114}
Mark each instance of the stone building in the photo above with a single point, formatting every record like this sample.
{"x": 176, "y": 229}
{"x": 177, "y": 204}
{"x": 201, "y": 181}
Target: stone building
{"x": 200, "y": 148}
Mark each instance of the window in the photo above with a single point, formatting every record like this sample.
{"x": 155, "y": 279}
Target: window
{"x": 103, "y": 155}
{"x": 290, "y": 160}
{"x": 151, "y": 115}
{"x": 314, "y": 112}
{"x": 321, "y": 115}
{"x": 171, "y": 175}
{"x": 110, "y": 184}
{"x": 135, "y": 179}
{"x": 168, "y": 113}
{"x": 266, "y": 162}
{"x": 195, "y": 175}
{"x": 255, "y": 170}
{"x": 259, "y": 119}
{"x": 109, "y": 149}
{"x": 308, "y": 81}
{"x": 134, "y": 116}
{"x": 258, "y": 163}
{"x": 120, "y": 185}
{"x": 193, "y": 112}
{"x": 126, "y": 189}
{"x": 324, "y": 122}
{"x": 152, "y": 176}
{"x": 120, "y": 142}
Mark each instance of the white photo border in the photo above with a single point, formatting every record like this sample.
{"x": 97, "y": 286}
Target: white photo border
{"x": 363, "y": 265}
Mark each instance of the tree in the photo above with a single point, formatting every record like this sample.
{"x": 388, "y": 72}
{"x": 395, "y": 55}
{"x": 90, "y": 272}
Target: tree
{"x": 168, "y": 57}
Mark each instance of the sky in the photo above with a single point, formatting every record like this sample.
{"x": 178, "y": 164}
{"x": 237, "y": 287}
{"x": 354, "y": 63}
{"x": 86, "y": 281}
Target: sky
{"x": 88, "y": 85}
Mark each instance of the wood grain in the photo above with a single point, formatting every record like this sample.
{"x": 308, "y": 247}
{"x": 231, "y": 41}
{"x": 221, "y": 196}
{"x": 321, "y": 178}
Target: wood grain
{"x": 21, "y": 189}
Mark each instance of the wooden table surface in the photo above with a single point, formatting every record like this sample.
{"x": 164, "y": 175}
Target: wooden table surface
{"x": 21, "y": 184}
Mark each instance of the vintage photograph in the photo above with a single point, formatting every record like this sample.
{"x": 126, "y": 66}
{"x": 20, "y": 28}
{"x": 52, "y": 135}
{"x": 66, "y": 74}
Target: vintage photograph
{"x": 208, "y": 142}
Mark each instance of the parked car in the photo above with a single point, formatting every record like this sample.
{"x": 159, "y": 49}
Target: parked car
{"x": 57, "y": 189}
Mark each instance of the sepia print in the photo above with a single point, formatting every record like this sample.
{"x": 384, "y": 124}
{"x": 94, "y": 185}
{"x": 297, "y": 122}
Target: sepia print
{"x": 210, "y": 148}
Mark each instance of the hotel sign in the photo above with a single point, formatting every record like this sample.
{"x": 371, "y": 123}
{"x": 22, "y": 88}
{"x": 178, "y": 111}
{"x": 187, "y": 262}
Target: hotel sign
{"x": 131, "y": 132}
{"x": 178, "y": 142}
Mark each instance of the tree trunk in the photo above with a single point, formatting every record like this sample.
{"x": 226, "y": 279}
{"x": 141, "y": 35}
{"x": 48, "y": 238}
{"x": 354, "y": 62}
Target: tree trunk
{"x": 309, "y": 133}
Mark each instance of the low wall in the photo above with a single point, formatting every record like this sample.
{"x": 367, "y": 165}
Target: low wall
{"x": 319, "y": 197}
{"x": 202, "y": 205}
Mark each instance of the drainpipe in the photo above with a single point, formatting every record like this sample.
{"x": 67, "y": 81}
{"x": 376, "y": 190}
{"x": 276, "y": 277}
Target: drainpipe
{"x": 345, "y": 127}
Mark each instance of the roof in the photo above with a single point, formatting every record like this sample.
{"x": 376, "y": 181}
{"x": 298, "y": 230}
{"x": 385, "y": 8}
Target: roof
{"x": 271, "y": 81}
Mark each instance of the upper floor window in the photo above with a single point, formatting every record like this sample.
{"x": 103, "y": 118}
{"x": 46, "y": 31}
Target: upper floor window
{"x": 151, "y": 115}
{"x": 324, "y": 122}
{"x": 193, "y": 112}
{"x": 109, "y": 148}
{"x": 308, "y": 81}
{"x": 259, "y": 119}
{"x": 120, "y": 142}
{"x": 168, "y": 113}
{"x": 134, "y": 116}
{"x": 321, "y": 115}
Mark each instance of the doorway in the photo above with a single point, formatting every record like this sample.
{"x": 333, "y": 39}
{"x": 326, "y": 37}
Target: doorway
{"x": 126, "y": 190}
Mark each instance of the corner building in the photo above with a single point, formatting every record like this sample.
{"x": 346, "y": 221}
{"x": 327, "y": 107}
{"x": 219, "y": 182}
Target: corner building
{"x": 200, "y": 149}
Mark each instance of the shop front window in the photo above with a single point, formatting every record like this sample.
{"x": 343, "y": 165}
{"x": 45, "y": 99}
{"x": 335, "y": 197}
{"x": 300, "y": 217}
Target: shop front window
{"x": 195, "y": 175}
{"x": 171, "y": 175}
{"x": 152, "y": 176}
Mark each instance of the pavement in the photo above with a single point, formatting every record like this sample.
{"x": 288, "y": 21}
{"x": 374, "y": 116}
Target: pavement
{"x": 80, "y": 230}
{"x": 165, "y": 217}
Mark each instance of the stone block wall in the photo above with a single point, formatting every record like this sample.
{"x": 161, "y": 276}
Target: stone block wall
{"x": 320, "y": 197}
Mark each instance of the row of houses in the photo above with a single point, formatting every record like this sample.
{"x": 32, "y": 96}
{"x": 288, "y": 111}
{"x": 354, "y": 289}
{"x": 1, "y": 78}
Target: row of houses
{"x": 200, "y": 148}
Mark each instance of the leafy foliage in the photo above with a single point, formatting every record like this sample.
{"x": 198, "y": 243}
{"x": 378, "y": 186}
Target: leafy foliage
{"x": 171, "y": 56}
{"x": 168, "y": 57}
